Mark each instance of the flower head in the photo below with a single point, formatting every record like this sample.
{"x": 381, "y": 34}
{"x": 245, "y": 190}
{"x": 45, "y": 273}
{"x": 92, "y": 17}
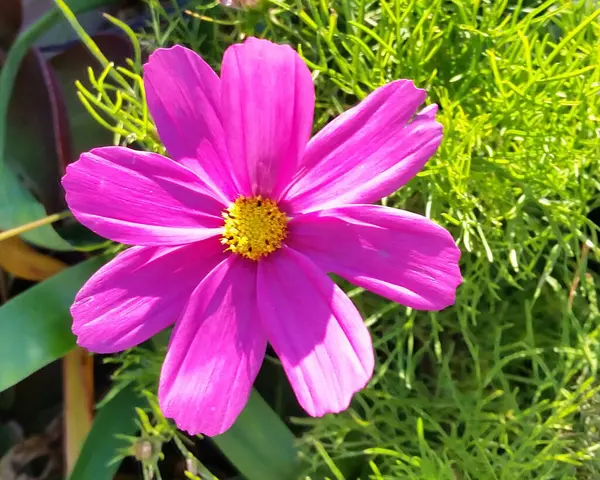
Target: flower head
{"x": 234, "y": 235}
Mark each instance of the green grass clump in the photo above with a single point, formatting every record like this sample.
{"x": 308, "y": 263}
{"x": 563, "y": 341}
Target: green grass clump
{"x": 503, "y": 385}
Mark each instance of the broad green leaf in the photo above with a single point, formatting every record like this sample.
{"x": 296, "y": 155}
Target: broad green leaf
{"x": 38, "y": 144}
{"x": 35, "y": 326}
{"x": 18, "y": 205}
{"x": 259, "y": 444}
{"x": 115, "y": 418}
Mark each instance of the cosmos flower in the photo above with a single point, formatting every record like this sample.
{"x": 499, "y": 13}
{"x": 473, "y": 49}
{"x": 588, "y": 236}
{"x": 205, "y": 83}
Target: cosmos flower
{"x": 234, "y": 235}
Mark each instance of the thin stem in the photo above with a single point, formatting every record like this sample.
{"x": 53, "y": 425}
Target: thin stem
{"x": 33, "y": 225}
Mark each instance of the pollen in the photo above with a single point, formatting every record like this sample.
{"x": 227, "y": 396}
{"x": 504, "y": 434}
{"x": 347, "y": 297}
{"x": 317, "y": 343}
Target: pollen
{"x": 254, "y": 227}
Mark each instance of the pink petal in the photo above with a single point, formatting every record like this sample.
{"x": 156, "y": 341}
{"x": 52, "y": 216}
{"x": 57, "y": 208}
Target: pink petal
{"x": 368, "y": 152}
{"x": 399, "y": 255}
{"x": 184, "y": 98}
{"x": 215, "y": 353}
{"x": 139, "y": 293}
{"x": 140, "y": 198}
{"x": 318, "y": 334}
{"x": 268, "y": 103}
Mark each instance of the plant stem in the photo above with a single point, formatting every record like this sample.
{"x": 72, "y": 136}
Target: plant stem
{"x": 33, "y": 225}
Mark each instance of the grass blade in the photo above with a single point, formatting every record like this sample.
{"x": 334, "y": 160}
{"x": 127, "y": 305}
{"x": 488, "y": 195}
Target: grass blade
{"x": 114, "y": 419}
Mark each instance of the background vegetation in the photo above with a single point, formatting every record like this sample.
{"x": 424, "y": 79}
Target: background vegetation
{"x": 501, "y": 386}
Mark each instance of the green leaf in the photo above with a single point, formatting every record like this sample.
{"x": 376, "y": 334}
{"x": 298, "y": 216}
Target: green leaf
{"x": 18, "y": 206}
{"x": 24, "y": 208}
{"x": 259, "y": 444}
{"x": 38, "y": 144}
{"x": 35, "y": 326}
{"x": 115, "y": 418}
{"x": 79, "y": 6}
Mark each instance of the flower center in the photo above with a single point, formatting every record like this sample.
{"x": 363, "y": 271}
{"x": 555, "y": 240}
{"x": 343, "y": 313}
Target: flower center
{"x": 254, "y": 227}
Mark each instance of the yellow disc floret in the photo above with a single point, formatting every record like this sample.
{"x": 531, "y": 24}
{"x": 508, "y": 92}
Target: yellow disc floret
{"x": 254, "y": 227}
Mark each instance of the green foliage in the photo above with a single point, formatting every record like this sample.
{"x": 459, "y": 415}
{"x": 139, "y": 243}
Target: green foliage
{"x": 17, "y": 204}
{"x": 504, "y": 384}
{"x": 35, "y": 326}
{"x": 114, "y": 419}
{"x": 259, "y": 444}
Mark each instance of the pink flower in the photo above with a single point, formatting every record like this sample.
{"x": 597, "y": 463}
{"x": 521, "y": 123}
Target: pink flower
{"x": 235, "y": 236}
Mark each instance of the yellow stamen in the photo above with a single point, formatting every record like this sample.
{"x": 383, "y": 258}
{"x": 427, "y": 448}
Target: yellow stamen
{"x": 254, "y": 227}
